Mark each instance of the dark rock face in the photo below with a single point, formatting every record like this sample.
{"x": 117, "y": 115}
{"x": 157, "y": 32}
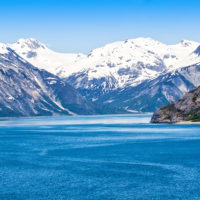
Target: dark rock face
{"x": 185, "y": 109}
{"x": 28, "y": 91}
{"x": 197, "y": 51}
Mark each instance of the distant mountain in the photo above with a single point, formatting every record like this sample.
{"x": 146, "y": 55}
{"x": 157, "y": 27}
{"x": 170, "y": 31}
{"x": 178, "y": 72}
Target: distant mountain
{"x": 39, "y": 55}
{"x": 151, "y": 94}
{"x": 185, "y": 109}
{"x": 121, "y": 64}
{"x": 28, "y": 91}
{"x": 134, "y": 75}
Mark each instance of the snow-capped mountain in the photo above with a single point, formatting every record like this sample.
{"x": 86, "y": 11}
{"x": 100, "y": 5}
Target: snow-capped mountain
{"x": 39, "y": 55}
{"x": 120, "y": 74}
{"x": 28, "y": 91}
{"x": 121, "y": 63}
{"x": 153, "y": 94}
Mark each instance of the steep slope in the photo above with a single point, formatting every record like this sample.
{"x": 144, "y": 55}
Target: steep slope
{"x": 28, "y": 91}
{"x": 197, "y": 51}
{"x": 121, "y": 63}
{"x": 150, "y": 94}
{"x": 185, "y": 109}
{"x": 134, "y": 75}
{"x": 131, "y": 62}
{"x": 40, "y": 55}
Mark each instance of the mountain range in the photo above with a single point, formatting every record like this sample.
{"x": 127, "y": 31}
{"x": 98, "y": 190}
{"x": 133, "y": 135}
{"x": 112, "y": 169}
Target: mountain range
{"x": 28, "y": 91}
{"x": 137, "y": 75}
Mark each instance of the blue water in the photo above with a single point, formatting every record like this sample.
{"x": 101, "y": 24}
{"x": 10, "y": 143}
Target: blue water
{"x": 118, "y": 157}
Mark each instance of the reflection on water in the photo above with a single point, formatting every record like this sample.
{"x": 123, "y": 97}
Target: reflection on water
{"x": 98, "y": 157}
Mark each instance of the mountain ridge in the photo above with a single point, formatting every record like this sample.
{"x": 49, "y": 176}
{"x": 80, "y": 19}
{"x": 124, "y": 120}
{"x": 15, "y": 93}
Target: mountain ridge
{"x": 29, "y": 91}
{"x": 143, "y": 50}
{"x": 117, "y": 76}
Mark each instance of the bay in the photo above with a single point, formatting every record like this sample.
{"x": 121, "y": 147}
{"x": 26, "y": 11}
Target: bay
{"x": 102, "y": 157}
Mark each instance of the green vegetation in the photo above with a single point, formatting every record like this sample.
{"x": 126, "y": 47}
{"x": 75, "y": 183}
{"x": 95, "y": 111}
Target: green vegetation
{"x": 194, "y": 115}
{"x": 194, "y": 118}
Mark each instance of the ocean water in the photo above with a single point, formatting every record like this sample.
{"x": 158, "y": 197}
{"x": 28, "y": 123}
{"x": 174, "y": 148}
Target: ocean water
{"x": 110, "y": 157}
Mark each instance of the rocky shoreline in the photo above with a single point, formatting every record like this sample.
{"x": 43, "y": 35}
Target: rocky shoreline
{"x": 185, "y": 110}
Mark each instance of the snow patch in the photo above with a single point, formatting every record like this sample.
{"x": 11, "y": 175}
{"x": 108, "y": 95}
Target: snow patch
{"x": 3, "y": 48}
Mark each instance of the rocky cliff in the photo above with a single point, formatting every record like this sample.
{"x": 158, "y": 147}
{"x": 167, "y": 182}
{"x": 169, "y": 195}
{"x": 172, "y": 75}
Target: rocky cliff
{"x": 185, "y": 109}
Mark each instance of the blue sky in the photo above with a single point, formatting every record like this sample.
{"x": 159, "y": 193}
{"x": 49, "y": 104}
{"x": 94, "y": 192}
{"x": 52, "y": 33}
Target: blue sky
{"x": 81, "y": 25}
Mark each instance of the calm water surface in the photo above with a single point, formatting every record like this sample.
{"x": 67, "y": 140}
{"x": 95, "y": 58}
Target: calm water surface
{"x": 118, "y": 157}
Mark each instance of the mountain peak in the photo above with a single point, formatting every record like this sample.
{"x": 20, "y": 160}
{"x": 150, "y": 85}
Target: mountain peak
{"x": 187, "y": 43}
{"x": 141, "y": 40}
{"x": 30, "y": 43}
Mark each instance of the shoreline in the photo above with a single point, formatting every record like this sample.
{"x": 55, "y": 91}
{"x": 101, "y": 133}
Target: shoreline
{"x": 187, "y": 122}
